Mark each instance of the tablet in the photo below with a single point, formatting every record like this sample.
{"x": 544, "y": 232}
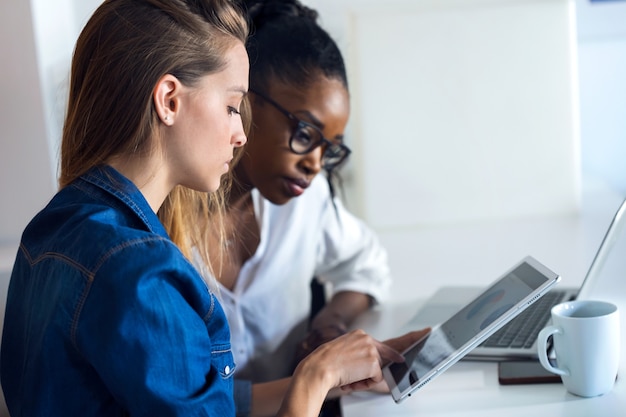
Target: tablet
{"x": 449, "y": 341}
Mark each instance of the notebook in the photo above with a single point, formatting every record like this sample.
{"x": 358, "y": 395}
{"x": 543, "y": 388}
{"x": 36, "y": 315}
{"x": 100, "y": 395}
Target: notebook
{"x": 517, "y": 339}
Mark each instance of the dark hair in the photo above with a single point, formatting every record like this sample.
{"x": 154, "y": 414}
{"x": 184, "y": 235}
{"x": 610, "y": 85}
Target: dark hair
{"x": 287, "y": 42}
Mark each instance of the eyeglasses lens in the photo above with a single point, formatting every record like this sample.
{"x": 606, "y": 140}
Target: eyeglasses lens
{"x": 305, "y": 138}
{"x": 333, "y": 156}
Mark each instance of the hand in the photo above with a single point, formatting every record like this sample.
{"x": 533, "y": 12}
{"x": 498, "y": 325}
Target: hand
{"x": 399, "y": 344}
{"x": 316, "y": 337}
{"x": 333, "y": 320}
{"x": 352, "y": 361}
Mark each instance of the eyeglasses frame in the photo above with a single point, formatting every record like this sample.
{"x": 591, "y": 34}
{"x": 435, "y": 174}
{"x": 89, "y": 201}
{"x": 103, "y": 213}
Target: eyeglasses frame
{"x": 299, "y": 122}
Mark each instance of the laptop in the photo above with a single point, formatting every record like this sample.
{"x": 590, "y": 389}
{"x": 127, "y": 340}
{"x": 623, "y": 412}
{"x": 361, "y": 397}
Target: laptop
{"x": 517, "y": 340}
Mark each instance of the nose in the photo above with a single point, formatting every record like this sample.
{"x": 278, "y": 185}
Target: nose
{"x": 311, "y": 163}
{"x": 239, "y": 137}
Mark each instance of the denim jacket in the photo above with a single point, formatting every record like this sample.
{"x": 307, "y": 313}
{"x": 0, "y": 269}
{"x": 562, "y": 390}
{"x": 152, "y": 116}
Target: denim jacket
{"x": 106, "y": 317}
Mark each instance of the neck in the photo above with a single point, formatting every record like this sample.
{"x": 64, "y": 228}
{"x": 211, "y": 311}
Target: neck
{"x": 241, "y": 191}
{"x": 146, "y": 177}
{"x": 239, "y": 201}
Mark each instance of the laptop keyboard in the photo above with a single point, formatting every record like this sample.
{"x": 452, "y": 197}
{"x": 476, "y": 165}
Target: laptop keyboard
{"x": 522, "y": 331}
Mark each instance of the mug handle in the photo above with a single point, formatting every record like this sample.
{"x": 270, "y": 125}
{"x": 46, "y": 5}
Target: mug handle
{"x": 542, "y": 349}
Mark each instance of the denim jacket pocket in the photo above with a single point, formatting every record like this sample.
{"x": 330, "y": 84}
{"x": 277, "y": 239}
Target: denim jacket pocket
{"x": 222, "y": 359}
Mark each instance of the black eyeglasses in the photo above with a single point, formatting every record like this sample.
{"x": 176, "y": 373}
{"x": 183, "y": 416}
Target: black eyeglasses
{"x": 305, "y": 137}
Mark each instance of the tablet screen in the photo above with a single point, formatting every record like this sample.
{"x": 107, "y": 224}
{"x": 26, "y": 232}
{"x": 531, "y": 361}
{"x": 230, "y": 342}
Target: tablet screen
{"x": 451, "y": 340}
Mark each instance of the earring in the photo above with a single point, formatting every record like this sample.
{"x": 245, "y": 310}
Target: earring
{"x": 166, "y": 118}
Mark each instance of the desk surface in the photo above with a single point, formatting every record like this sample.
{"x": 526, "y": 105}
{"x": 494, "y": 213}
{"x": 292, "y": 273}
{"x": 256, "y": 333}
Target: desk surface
{"x": 472, "y": 389}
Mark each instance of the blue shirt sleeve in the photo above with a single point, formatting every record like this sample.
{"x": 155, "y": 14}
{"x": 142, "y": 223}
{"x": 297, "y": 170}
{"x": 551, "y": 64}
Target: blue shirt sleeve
{"x": 243, "y": 397}
{"x": 156, "y": 336}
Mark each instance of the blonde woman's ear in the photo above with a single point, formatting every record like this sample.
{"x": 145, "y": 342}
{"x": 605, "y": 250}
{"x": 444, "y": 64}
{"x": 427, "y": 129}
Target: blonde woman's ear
{"x": 165, "y": 97}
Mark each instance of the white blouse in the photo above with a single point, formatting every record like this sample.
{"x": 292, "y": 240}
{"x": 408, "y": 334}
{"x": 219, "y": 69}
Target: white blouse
{"x": 269, "y": 306}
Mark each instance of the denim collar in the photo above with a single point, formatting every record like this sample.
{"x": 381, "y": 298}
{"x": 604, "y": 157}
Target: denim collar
{"x": 111, "y": 181}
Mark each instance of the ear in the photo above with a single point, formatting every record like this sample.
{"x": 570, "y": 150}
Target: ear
{"x": 166, "y": 98}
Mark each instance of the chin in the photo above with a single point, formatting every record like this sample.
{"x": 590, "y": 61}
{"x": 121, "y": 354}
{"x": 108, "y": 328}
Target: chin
{"x": 210, "y": 187}
{"x": 215, "y": 187}
{"x": 279, "y": 199}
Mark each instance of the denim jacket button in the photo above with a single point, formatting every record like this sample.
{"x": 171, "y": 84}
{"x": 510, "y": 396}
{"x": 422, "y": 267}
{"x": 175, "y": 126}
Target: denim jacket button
{"x": 227, "y": 370}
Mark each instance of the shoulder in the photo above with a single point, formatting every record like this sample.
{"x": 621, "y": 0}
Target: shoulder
{"x": 86, "y": 232}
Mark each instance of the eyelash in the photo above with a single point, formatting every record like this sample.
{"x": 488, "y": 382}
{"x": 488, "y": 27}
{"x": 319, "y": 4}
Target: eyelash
{"x": 232, "y": 110}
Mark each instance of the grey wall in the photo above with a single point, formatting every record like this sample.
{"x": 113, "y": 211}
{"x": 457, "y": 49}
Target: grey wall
{"x": 26, "y": 180}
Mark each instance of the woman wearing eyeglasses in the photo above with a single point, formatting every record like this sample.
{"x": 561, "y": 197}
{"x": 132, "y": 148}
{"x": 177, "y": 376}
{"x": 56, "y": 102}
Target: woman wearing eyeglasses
{"x": 283, "y": 224}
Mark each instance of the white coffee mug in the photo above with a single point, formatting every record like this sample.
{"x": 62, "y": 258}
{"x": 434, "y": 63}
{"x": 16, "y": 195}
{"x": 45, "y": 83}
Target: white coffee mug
{"x": 586, "y": 340}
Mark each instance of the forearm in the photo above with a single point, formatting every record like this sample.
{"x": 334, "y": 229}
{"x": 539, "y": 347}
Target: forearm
{"x": 342, "y": 310}
{"x": 306, "y": 393}
{"x": 267, "y": 397}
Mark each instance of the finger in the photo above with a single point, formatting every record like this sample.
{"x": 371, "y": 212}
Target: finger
{"x": 363, "y": 385}
{"x": 380, "y": 387}
{"x": 418, "y": 335}
{"x": 387, "y": 353}
{"x": 415, "y": 335}
{"x": 403, "y": 342}
{"x": 424, "y": 331}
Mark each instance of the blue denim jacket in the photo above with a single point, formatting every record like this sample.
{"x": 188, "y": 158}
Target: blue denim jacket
{"x": 105, "y": 317}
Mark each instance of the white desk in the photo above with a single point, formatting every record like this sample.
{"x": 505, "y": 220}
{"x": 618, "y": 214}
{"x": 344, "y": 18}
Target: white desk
{"x": 471, "y": 388}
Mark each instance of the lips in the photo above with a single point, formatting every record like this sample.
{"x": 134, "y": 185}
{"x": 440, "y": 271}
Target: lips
{"x": 228, "y": 163}
{"x": 296, "y": 186}
{"x": 301, "y": 182}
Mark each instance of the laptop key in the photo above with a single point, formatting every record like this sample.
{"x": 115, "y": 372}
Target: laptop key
{"x": 523, "y": 330}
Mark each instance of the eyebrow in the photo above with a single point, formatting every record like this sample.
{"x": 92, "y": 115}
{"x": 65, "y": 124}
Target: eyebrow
{"x": 239, "y": 89}
{"x": 312, "y": 119}
{"x": 315, "y": 121}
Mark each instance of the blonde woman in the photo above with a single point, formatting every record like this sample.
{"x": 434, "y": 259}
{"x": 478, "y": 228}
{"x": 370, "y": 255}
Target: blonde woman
{"x": 105, "y": 315}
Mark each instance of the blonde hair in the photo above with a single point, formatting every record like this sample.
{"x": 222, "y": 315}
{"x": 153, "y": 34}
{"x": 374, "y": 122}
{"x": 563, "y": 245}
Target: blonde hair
{"x": 120, "y": 55}
{"x": 189, "y": 224}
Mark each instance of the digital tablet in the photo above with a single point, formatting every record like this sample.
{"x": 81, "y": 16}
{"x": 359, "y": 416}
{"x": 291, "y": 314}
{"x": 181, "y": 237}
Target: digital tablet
{"x": 449, "y": 341}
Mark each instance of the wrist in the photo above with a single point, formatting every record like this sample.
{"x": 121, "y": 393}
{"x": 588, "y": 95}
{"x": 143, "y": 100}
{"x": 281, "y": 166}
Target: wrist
{"x": 335, "y": 327}
{"x": 309, "y": 386}
{"x": 329, "y": 321}
{"x": 311, "y": 370}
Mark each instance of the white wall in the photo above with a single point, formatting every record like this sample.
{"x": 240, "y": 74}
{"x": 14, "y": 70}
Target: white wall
{"x": 602, "y": 51}
{"x": 54, "y": 38}
{"x": 476, "y": 118}
{"x": 462, "y": 110}
{"x": 602, "y": 63}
